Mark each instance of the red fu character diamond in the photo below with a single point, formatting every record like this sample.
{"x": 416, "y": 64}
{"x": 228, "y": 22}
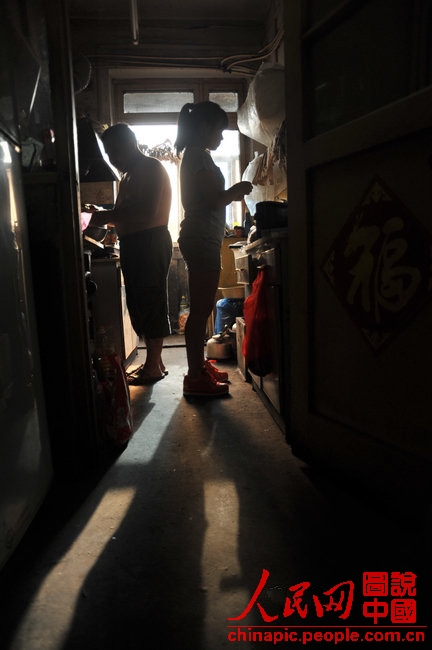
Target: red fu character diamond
{"x": 403, "y": 610}
{"x": 403, "y": 584}
{"x": 375, "y": 583}
{"x": 375, "y": 609}
{"x": 379, "y": 264}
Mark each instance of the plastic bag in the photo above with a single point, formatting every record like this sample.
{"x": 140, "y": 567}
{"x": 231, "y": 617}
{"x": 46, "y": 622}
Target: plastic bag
{"x": 119, "y": 412}
{"x": 268, "y": 180}
{"x": 257, "y": 345}
{"x": 261, "y": 115}
{"x": 113, "y": 391}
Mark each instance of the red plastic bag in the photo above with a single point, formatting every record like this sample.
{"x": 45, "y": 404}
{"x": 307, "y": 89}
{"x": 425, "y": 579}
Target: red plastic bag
{"x": 118, "y": 412}
{"x": 258, "y": 315}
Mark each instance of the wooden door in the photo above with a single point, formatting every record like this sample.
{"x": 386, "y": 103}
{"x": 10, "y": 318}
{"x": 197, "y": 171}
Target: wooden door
{"x": 359, "y": 147}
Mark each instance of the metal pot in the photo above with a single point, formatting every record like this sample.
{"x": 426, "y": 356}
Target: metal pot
{"x": 97, "y": 233}
{"x": 219, "y": 349}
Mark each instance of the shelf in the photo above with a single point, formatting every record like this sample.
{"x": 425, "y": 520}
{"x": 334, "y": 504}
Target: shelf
{"x": 39, "y": 178}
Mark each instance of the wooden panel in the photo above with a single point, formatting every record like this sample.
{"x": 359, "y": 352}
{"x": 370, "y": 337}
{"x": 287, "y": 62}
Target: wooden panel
{"x": 382, "y": 391}
{"x": 362, "y": 412}
{"x": 109, "y": 307}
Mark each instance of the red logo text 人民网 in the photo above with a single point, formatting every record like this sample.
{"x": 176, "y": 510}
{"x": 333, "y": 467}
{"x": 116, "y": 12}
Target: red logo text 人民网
{"x": 386, "y": 596}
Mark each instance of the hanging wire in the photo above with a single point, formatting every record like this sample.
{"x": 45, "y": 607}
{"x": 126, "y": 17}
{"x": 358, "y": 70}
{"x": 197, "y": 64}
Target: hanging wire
{"x": 262, "y": 54}
{"x": 237, "y": 63}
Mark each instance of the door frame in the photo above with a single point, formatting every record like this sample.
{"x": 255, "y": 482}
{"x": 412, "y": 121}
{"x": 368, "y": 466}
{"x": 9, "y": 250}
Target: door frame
{"x": 310, "y": 435}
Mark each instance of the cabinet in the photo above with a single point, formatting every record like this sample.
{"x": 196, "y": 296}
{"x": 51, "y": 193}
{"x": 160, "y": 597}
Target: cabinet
{"x": 44, "y": 100}
{"x": 360, "y": 358}
{"x": 109, "y": 309}
{"x": 271, "y": 251}
{"x": 227, "y": 277}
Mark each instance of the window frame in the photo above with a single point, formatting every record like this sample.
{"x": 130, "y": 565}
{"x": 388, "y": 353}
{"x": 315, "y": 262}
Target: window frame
{"x": 201, "y": 89}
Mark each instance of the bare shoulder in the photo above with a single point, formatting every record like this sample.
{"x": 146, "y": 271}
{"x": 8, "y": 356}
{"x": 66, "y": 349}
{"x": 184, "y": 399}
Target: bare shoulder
{"x": 151, "y": 165}
{"x": 150, "y": 176}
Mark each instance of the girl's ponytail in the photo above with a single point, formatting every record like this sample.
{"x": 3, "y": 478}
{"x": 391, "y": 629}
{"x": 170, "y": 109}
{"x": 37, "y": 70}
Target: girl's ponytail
{"x": 192, "y": 116}
{"x": 184, "y": 128}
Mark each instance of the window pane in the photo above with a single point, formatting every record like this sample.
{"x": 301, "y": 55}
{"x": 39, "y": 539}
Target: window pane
{"x": 150, "y": 135}
{"x": 368, "y": 61}
{"x": 227, "y": 158}
{"x": 226, "y": 100}
{"x": 156, "y": 102}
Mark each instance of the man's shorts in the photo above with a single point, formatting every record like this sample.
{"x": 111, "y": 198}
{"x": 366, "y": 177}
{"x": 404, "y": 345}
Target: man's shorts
{"x": 145, "y": 259}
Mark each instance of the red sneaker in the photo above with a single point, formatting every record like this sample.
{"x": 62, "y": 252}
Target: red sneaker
{"x": 219, "y": 375}
{"x": 203, "y": 386}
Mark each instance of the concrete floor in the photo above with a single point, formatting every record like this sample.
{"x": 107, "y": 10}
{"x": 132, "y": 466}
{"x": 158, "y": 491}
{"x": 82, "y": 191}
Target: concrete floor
{"x": 172, "y": 538}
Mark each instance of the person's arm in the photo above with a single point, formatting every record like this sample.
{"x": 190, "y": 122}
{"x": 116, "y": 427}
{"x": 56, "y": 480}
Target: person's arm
{"x": 217, "y": 198}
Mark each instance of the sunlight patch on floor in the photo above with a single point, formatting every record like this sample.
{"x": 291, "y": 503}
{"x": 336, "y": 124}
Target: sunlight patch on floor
{"x": 148, "y": 435}
{"x": 47, "y": 621}
{"x": 220, "y": 566}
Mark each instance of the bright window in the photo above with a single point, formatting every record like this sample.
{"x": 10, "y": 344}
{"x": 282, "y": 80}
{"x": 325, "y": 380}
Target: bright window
{"x": 156, "y": 102}
{"x": 226, "y": 100}
{"x": 227, "y": 157}
{"x": 151, "y": 108}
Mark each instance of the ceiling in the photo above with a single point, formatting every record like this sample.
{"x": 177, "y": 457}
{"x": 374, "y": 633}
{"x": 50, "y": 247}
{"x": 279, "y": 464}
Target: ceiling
{"x": 190, "y": 33}
{"x": 157, "y": 10}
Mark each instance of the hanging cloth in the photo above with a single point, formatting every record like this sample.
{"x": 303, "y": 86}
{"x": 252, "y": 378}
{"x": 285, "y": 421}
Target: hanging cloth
{"x": 259, "y": 318}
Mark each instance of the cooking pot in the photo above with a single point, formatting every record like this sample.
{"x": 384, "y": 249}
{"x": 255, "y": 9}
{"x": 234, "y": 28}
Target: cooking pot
{"x": 219, "y": 349}
{"x": 96, "y": 232}
{"x": 220, "y": 346}
{"x": 271, "y": 214}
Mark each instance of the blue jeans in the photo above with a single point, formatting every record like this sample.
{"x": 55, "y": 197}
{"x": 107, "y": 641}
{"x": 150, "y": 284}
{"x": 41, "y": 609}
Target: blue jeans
{"x": 227, "y": 309}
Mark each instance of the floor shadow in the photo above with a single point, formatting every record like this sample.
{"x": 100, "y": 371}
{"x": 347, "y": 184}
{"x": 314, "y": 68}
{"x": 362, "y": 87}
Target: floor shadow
{"x": 69, "y": 494}
{"x": 145, "y": 587}
{"x": 181, "y": 559}
{"x": 22, "y": 575}
{"x": 303, "y": 527}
